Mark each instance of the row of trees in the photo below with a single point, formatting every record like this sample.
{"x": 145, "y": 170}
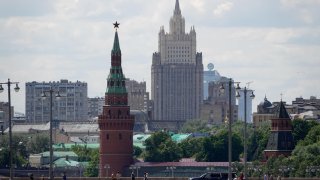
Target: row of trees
{"x": 160, "y": 148}
{"x": 23, "y": 146}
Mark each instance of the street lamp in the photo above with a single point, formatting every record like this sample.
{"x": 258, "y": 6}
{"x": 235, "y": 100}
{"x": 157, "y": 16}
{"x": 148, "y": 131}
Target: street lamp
{"x": 245, "y": 91}
{"x": 312, "y": 170}
{"x": 135, "y": 167}
{"x": 8, "y": 83}
{"x": 80, "y": 166}
{"x": 58, "y": 96}
{"x": 172, "y": 168}
{"x": 222, "y": 89}
{"x": 211, "y": 168}
{"x": 107, "y": 167}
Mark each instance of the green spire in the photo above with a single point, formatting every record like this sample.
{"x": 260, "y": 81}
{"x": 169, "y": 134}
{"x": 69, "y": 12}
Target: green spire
{"x": 116, "y": 44}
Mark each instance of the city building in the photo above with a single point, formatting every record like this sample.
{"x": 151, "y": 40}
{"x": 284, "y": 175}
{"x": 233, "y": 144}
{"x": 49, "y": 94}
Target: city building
{"x": 209, "y": 76}
{"x": 241, "y": 105}
{"x": 280, "y": 141}
{"x": 304, "y": 105}
{"x": 216, "y": 108}
{"x": 4, "y": 115}
{"x": 267, "y": 110}
{"x": 72, "y": 106}
{"x": 176, "y": 74}
{"x": 115, "y": 123}
{"x": 95, "y": 106}
{"x": 138, "y": 97}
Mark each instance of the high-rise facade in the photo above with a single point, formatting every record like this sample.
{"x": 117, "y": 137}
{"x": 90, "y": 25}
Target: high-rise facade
{"x": 242, "y": 106}
{"x": 176, "y": 73}
{"x": 138, "y": 97}
{"x": 115, "y": 122}
{"x": 72, "y": 106}
{"x": 95, "y": 106}
{"x": 4, "y": 115}
{"x": 209, "y": 76}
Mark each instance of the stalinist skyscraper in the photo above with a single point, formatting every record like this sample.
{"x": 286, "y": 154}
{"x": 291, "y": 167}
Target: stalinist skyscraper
{"x": 177, "y": 73}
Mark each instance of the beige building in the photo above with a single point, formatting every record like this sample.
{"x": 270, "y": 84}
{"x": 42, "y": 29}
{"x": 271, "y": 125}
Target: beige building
{"x": 216, "y": 108}
{"x": 138, "y": 97}
{"x": 176, "y": 74}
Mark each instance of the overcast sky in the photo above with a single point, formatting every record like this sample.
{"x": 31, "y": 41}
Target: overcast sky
{"x": 275, "y": 44}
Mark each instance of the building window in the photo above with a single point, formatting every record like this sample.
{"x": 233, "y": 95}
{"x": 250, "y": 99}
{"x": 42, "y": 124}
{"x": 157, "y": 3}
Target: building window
{"x": 120, "y": 136}
{"x": 107, "y": 136}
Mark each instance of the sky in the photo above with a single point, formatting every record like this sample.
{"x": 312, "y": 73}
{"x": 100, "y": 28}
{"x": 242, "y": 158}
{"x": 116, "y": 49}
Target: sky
{"x": 274, "y": 44}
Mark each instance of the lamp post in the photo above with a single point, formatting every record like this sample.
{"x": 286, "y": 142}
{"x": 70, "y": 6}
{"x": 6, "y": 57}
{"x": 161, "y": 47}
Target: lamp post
{"x": 51, "y": 91}
{"x": 107, "y": 167}
{"x": 80, "y": 166}
{"x": 245, "y": 91}
{"x": 8, "y": 83}
{"x": 222, "y": 89}
{"x": 211, "y": 168}
{"x": 172, "y": 168}
{"x": 136, "y": 168}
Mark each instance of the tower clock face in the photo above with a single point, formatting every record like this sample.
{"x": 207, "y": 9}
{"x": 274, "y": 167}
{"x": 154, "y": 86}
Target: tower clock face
{"x": 210, "y": 66}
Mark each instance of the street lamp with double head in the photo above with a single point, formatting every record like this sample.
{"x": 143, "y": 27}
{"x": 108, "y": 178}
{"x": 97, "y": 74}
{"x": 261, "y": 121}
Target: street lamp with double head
{"x": 222, "y": 90}
{"x": 9, "y": 83}
{"x": 44, "y": 96}
{"x": 245, "y": 92}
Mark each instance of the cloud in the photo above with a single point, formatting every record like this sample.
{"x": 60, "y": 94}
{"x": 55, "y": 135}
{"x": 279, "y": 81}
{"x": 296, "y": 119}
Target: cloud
{"x": 307, "y": 11}
{"x": 222, "y": 8}
{"x": 199, "y": 5}
{"x": 267, "y": 42}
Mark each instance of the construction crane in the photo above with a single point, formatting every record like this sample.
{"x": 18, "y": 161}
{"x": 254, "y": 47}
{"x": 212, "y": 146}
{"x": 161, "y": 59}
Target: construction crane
{"x": 248, "y": 84}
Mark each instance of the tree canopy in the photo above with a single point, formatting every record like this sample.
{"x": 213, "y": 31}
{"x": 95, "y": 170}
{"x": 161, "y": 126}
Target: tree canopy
{"x": 161, "y": 148}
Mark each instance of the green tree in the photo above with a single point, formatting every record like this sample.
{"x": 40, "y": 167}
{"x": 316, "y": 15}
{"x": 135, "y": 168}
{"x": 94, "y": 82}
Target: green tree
{"x": 215, "y": 148}
{"x": 305, "y": 155}
{"x": 257, "y": 142}
{"x": 190, "y": 146}
{"x": 38, "y": 143}
{"x": 84, "y": 153}
{"x": 161, "y": 148}
{"x": 92, "y": 169}
{"x": 137, "y": 151}
{"x": 312, "y": 137}
{"x": 19, "y": 151}
{"x": 195, "y": 125}
{"x": 301, "y": 128}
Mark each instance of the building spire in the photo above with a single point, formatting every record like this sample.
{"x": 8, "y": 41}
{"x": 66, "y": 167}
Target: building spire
{"x": 177, "y": 10}
{"x": 282, "y": 111}
{"x": 116, "y": 45}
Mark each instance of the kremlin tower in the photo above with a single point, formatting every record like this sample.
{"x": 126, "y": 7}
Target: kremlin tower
{"x": 115, "y": 122}
{"x": 280, "y": 141}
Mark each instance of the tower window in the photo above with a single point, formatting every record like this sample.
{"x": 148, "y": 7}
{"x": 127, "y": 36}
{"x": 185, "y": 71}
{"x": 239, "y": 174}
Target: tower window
{"x": 120, "y": 136}
{"x": 107, "y": 136}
